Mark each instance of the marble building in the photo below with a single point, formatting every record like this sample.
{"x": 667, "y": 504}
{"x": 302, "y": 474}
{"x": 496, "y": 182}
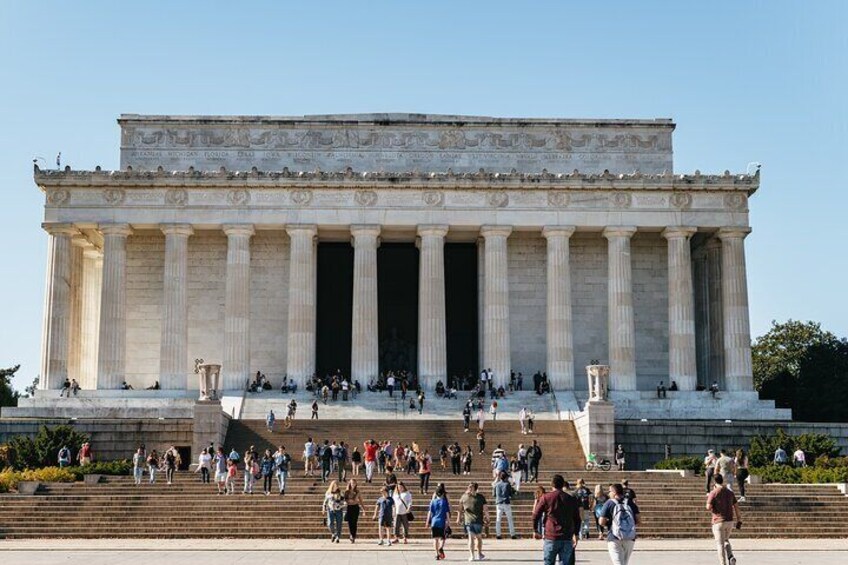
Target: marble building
{"x": 571, "y": 240}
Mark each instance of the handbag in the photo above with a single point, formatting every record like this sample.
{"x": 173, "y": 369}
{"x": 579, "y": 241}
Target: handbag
{"x": 410, "y": 516}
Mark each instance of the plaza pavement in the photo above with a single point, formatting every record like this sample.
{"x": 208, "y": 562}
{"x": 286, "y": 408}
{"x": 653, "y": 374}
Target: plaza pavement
{"x": 321, "y": 552}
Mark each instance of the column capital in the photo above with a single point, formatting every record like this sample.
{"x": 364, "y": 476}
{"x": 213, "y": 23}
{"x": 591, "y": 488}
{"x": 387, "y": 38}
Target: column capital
{"x": 438, "y": 230}
{"x": 244, "y": 230}
{"x": 59, "y": 229}
{"x": 739, "y": 232}
{"x": 92, "y": 253}
{"x": 364, "y": 230}
{"x": 115, "y": 229}
{"x": 310, "y": 230}
{"x": 619, "y": 231}
{"x": 557, "y": 231}
{"x": 79, "y": 240}
{"x": 177, "y": 229}
{"x": 495, "y": 231}
{"x": 675, "y": 232}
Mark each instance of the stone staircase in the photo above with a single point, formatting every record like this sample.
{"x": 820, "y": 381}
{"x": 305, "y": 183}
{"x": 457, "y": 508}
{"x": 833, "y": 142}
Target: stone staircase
{"x": 672, "y": 506}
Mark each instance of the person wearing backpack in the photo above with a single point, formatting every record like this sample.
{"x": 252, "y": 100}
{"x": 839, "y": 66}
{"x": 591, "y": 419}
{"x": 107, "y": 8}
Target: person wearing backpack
{"x": 621, "y": 516}
{"x": 558, "y": 511}
{"x": 584, "y": 499}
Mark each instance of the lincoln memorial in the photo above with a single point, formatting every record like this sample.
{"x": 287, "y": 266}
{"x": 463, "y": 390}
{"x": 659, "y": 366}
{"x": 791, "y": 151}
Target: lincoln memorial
{"x": 438, "y": 244}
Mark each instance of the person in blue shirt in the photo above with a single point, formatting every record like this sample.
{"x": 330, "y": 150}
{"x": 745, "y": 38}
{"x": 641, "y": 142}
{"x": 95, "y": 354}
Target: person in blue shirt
{"x": 437, "y": 518}
{"x": 234, "y": 456}
{"x": 383, "y": 513}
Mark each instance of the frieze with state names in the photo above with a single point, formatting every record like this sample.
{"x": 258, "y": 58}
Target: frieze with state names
{"x": 365, "y": 143}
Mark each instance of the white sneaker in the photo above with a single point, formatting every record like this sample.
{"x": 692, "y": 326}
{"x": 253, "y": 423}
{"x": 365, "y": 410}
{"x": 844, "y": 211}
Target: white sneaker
{"x": 472, "y": 558}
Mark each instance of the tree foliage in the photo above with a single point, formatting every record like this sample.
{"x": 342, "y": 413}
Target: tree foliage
{"x": 803, "y": 367}
{"x": 815, "y": 446}
{"x": 8, "y": 395}
{"x": 42, "y": 451}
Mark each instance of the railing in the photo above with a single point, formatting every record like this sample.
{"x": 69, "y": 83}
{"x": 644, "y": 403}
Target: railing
{"x": 555, "y": 404}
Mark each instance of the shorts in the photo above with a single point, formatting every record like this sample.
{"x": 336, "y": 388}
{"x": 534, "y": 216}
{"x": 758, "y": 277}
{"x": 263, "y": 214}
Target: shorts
{"x": 386, "y": 521}
{"x": 438, "y": 533}
{"x": 474, "y": 529}
{"x": 220, "y": 477}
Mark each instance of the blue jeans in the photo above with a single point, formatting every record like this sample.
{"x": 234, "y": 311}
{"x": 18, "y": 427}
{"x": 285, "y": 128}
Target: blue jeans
{"x": 334, "y": 522}
{"x": 563, "y": 548}
{"x": 282, "y": 476}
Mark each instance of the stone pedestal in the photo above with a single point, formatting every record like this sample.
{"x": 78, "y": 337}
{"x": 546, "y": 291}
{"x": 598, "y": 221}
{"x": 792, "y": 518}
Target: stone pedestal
{"x": 237, "y": 307}
{"x": 209, "y": 426}
{"x": 682, "y": 366}
{"x": 432, "y": 340}
{"x": 560, "y": 358}
{"x": 596, "y": 428}
{"x": 496, "y": 345}
{"x": 112, "y": 344}
{"x": 621, "y": 325}
{"x": 365, "y": 353}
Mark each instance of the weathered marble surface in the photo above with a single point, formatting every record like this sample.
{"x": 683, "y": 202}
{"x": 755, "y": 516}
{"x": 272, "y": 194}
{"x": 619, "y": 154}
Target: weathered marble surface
{"x": 394, "y": 142}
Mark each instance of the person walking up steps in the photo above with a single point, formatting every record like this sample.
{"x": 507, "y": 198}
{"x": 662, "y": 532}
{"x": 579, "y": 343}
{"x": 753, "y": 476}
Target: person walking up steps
{"x": 371, "y": 449}
{"x": 561, "y": 522}
{"x": 473, "y": 515}
{"x": 438, "y": 516}
{"x": 269, "y": 421}
{"x": 741, "y": 463}
{"x": 503, "y": 493}
{"x": 314, "y": 410}
{"x": 221, "y": 471}
{"x": 309, "y": 451}
{"x": 534, "y": 457}
{"x": 621, "y": 516}
{"x": 466, "y": 416}
{"x": 721, "y": 503}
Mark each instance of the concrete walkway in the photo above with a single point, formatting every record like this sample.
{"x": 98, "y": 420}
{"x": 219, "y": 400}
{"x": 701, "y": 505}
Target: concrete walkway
{"x": 320, "y": 552}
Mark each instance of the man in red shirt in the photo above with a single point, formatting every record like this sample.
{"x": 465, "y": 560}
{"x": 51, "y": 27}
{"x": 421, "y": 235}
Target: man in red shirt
{"x": 721, "y": 503}
{"x": 371, "y": 448}
{"x": 562, "y": 522}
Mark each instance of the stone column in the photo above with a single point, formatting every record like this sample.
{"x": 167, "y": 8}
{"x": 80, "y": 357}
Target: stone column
{"x": 622, "y": 332}
{"x": 173, "y": 357}
{"x": 57, "y": 306}
{"x": 112, "y": 344}
{"x": 734, "y": 294}
{"x": 91, "y": 283}
{"x": 365, "y": 349}
{"x": 714, "y": 313}
{"x": 236, "y": 365}
{"x": 496, "y": 303}
{"x": 302, "y": 301}
{"x": 682, "y": 367}
{"x": 560, "y": 362}
{"x": 78, "y": 245}
{"x": 481, "y": 306}
{"x": 432, "y": 339}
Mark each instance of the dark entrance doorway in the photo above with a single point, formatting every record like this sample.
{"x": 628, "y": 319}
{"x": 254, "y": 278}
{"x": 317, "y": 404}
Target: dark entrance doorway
{"x": 397, "y": 291}
{"x": 334, "y": 308}
{"x": 461, "y": 308}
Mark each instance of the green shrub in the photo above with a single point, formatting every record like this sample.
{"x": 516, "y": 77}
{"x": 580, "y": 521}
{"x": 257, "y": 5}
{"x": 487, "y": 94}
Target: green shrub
{"x": 119, "y": 467}
{"x": 791, "y": 475}
{"x": 9, "y": 478}
{"x": 42, "y": 450}
{"x": 826, "y": 462}
{"x": 814, "y": 446}
{"x": 684, "y": 462}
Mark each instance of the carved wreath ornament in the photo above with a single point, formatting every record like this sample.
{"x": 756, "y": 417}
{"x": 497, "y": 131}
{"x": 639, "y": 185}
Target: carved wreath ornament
{"x": 57, "y": 196}
{"x": 433, "y": 198}
{"x": 558, "y": 199}
{"x": 365, "y": 197}
{"x": 301, "y": 197}
{"x": 113, "y": 196}
{"x": 238, "y": 197}
{"x": 176, "y": 197}
{"x": 681, "y": 200}
{"x": 622, "y": 200}
{"x": 498, "y": 199}
{"x": 734, "y": 201}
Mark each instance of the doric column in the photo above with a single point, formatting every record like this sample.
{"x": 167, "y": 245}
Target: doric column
{"x": 365, "y": 353}
{"x": 481, "y": 305}
{"x": 78, "y": 245}
{"x": 432, "y": 340}
{"x": 734, "y": 294}
{"x": 57, "y": 306}
{"x": 91, "y": 281}
{"x": 173, "y": 356}
{"x": 560, "y": 361}
{"x": 496, "y": 345}
{"x": 236, "y": 365}
{"x": 714, "y": 313}
{"x": 112, "y": 345}
{"x": 302, "y": 278}
{"x": 621, "y": 327}
{"x": 682, "y": 367}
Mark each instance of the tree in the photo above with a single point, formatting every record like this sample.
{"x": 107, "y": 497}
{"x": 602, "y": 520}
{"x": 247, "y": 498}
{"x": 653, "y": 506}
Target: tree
{"x": 8, "y": 395}
{"x": 802, "y": 367}
{"x": 29, "y": 391}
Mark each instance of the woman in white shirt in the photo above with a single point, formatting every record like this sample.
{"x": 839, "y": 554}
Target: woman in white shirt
{"x": 204, "y": 465}
{"x": 403, "y": 505}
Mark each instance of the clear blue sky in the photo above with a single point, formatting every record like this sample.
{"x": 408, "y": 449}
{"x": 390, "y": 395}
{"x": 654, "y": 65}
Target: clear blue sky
{"x": 745, "y": 81}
